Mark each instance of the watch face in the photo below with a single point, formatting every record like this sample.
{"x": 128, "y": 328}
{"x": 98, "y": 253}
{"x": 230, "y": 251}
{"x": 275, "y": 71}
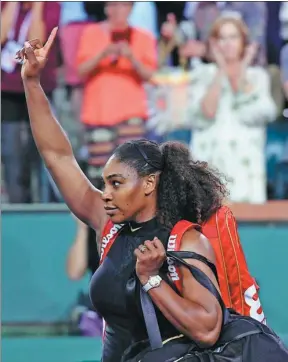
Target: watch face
{"x": 154, "y": 281}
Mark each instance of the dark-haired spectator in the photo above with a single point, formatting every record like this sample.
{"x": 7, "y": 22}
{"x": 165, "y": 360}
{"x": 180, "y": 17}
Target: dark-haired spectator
{"x": 143, "y": 14}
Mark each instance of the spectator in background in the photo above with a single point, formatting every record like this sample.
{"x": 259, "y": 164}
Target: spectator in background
{"x": 143, "y": 14}
{"x": 273, "y": 28}
{"x": 83, "y": 255}
{"x": 282, "y": 168}
{"x": 72, "y": 22}
{"x": 114, "y": 60}
{"x": 21, "y": 21}
{"x": 283, "y": 18}
{"x": 284, "y": 69}
{"x": 273, "y": 45}
{"x": 170, "y": 13}
{"x": 229, "y": 108}
{"x": 204, "y": 14}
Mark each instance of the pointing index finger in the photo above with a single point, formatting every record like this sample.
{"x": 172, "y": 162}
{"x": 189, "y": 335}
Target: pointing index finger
{"x": 50, "y": 40}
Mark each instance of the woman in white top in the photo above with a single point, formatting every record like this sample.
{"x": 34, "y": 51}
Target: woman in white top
{"x": 229, "y": 106}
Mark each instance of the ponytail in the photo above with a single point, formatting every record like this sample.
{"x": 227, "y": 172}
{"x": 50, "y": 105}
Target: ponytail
{"x": 187, "y": 190}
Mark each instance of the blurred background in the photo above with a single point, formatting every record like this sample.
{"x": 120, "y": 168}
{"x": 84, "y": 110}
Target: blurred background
{"x": 102, "y": 98}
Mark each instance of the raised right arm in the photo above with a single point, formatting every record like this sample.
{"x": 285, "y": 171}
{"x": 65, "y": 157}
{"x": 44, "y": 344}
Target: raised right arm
{"x": 81, "y": 196}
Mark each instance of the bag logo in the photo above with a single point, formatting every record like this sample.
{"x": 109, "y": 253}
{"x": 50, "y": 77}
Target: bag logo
{"x": 171, "y": 265}
{"x": 254, "y": 305}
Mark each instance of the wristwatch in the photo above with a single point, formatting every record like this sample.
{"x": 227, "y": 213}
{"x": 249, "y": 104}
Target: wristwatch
{"x": 153, "y": 282}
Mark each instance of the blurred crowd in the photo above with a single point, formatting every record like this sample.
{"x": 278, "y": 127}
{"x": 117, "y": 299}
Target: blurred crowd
{"x": 211, "y": 74}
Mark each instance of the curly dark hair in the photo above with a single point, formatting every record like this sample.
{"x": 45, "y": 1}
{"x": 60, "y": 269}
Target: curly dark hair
{"x": 187, "y": 190}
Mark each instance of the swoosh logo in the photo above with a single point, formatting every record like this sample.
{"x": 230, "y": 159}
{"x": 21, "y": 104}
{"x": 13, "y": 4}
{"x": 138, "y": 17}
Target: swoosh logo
{"x": 133, "y": 230}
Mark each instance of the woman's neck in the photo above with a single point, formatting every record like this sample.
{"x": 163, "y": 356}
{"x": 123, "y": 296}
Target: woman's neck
{"x": 117, "y": 26}
{"x": 233, "y": 67}
{"x": 146, "y": 214}
{"x": 233, "y": 63}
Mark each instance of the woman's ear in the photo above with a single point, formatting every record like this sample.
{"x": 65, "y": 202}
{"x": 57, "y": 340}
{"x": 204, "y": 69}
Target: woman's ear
{"x": 150, "y": 183}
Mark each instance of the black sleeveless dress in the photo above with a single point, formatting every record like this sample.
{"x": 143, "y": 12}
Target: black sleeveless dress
{"x": 115, "y": 291}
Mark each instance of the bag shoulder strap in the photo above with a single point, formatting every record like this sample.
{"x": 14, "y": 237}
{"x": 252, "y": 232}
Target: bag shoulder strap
{"x": 192, "y": 255}
{"x": 204, "y": 280}
{"x": 109, "y": 235}
{"x": 175, "y": 258}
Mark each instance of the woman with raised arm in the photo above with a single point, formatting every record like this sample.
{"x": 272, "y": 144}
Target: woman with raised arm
{"x": 80, "y": 195}
{"x": 153, "y": 197}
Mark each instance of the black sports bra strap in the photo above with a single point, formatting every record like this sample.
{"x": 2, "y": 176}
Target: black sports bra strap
{"x": 201, "y": 278}
{"x": 192, "y": 255}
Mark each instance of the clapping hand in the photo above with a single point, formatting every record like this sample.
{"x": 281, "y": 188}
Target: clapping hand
{"x": 111, "y": 49}
{"x": 217, "y": 55}
{"x": 125, "y": 49}
{"x": 250, "y": 54}
{"x": 168, "y": 28}
{"x": 121, "y": 48}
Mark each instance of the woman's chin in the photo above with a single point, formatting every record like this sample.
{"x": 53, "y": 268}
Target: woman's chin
{"x": 231, "y": 57}
{"x": 117, "y": 219}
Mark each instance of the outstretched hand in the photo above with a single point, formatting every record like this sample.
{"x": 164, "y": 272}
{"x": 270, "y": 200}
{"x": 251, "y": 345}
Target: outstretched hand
{"x": 34, "y": 56}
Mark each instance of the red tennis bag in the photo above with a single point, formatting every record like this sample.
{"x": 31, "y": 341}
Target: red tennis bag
{"x": 239, "y": 289}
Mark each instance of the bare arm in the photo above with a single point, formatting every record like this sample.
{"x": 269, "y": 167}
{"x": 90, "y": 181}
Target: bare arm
{"x": 210, "y": 101}
{"x": 37, "y": 27}
{"x": 253, "y": 102}
{"x": 79, "y": 194}
{"x": 88, "y": 62}
{"x": 146, "y": 64}
{"x": 90, "y": 66}
{"x": 77, "y": 259}
{"x": 197, "y": 314}
{"x": 7, "y": 16}
{"x": 81, "y": 197}
{"x": 144, "y": 72}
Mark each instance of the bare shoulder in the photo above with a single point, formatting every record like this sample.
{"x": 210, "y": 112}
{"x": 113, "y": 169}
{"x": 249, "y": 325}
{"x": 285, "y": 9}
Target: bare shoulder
{"x": 196, "y": 242}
